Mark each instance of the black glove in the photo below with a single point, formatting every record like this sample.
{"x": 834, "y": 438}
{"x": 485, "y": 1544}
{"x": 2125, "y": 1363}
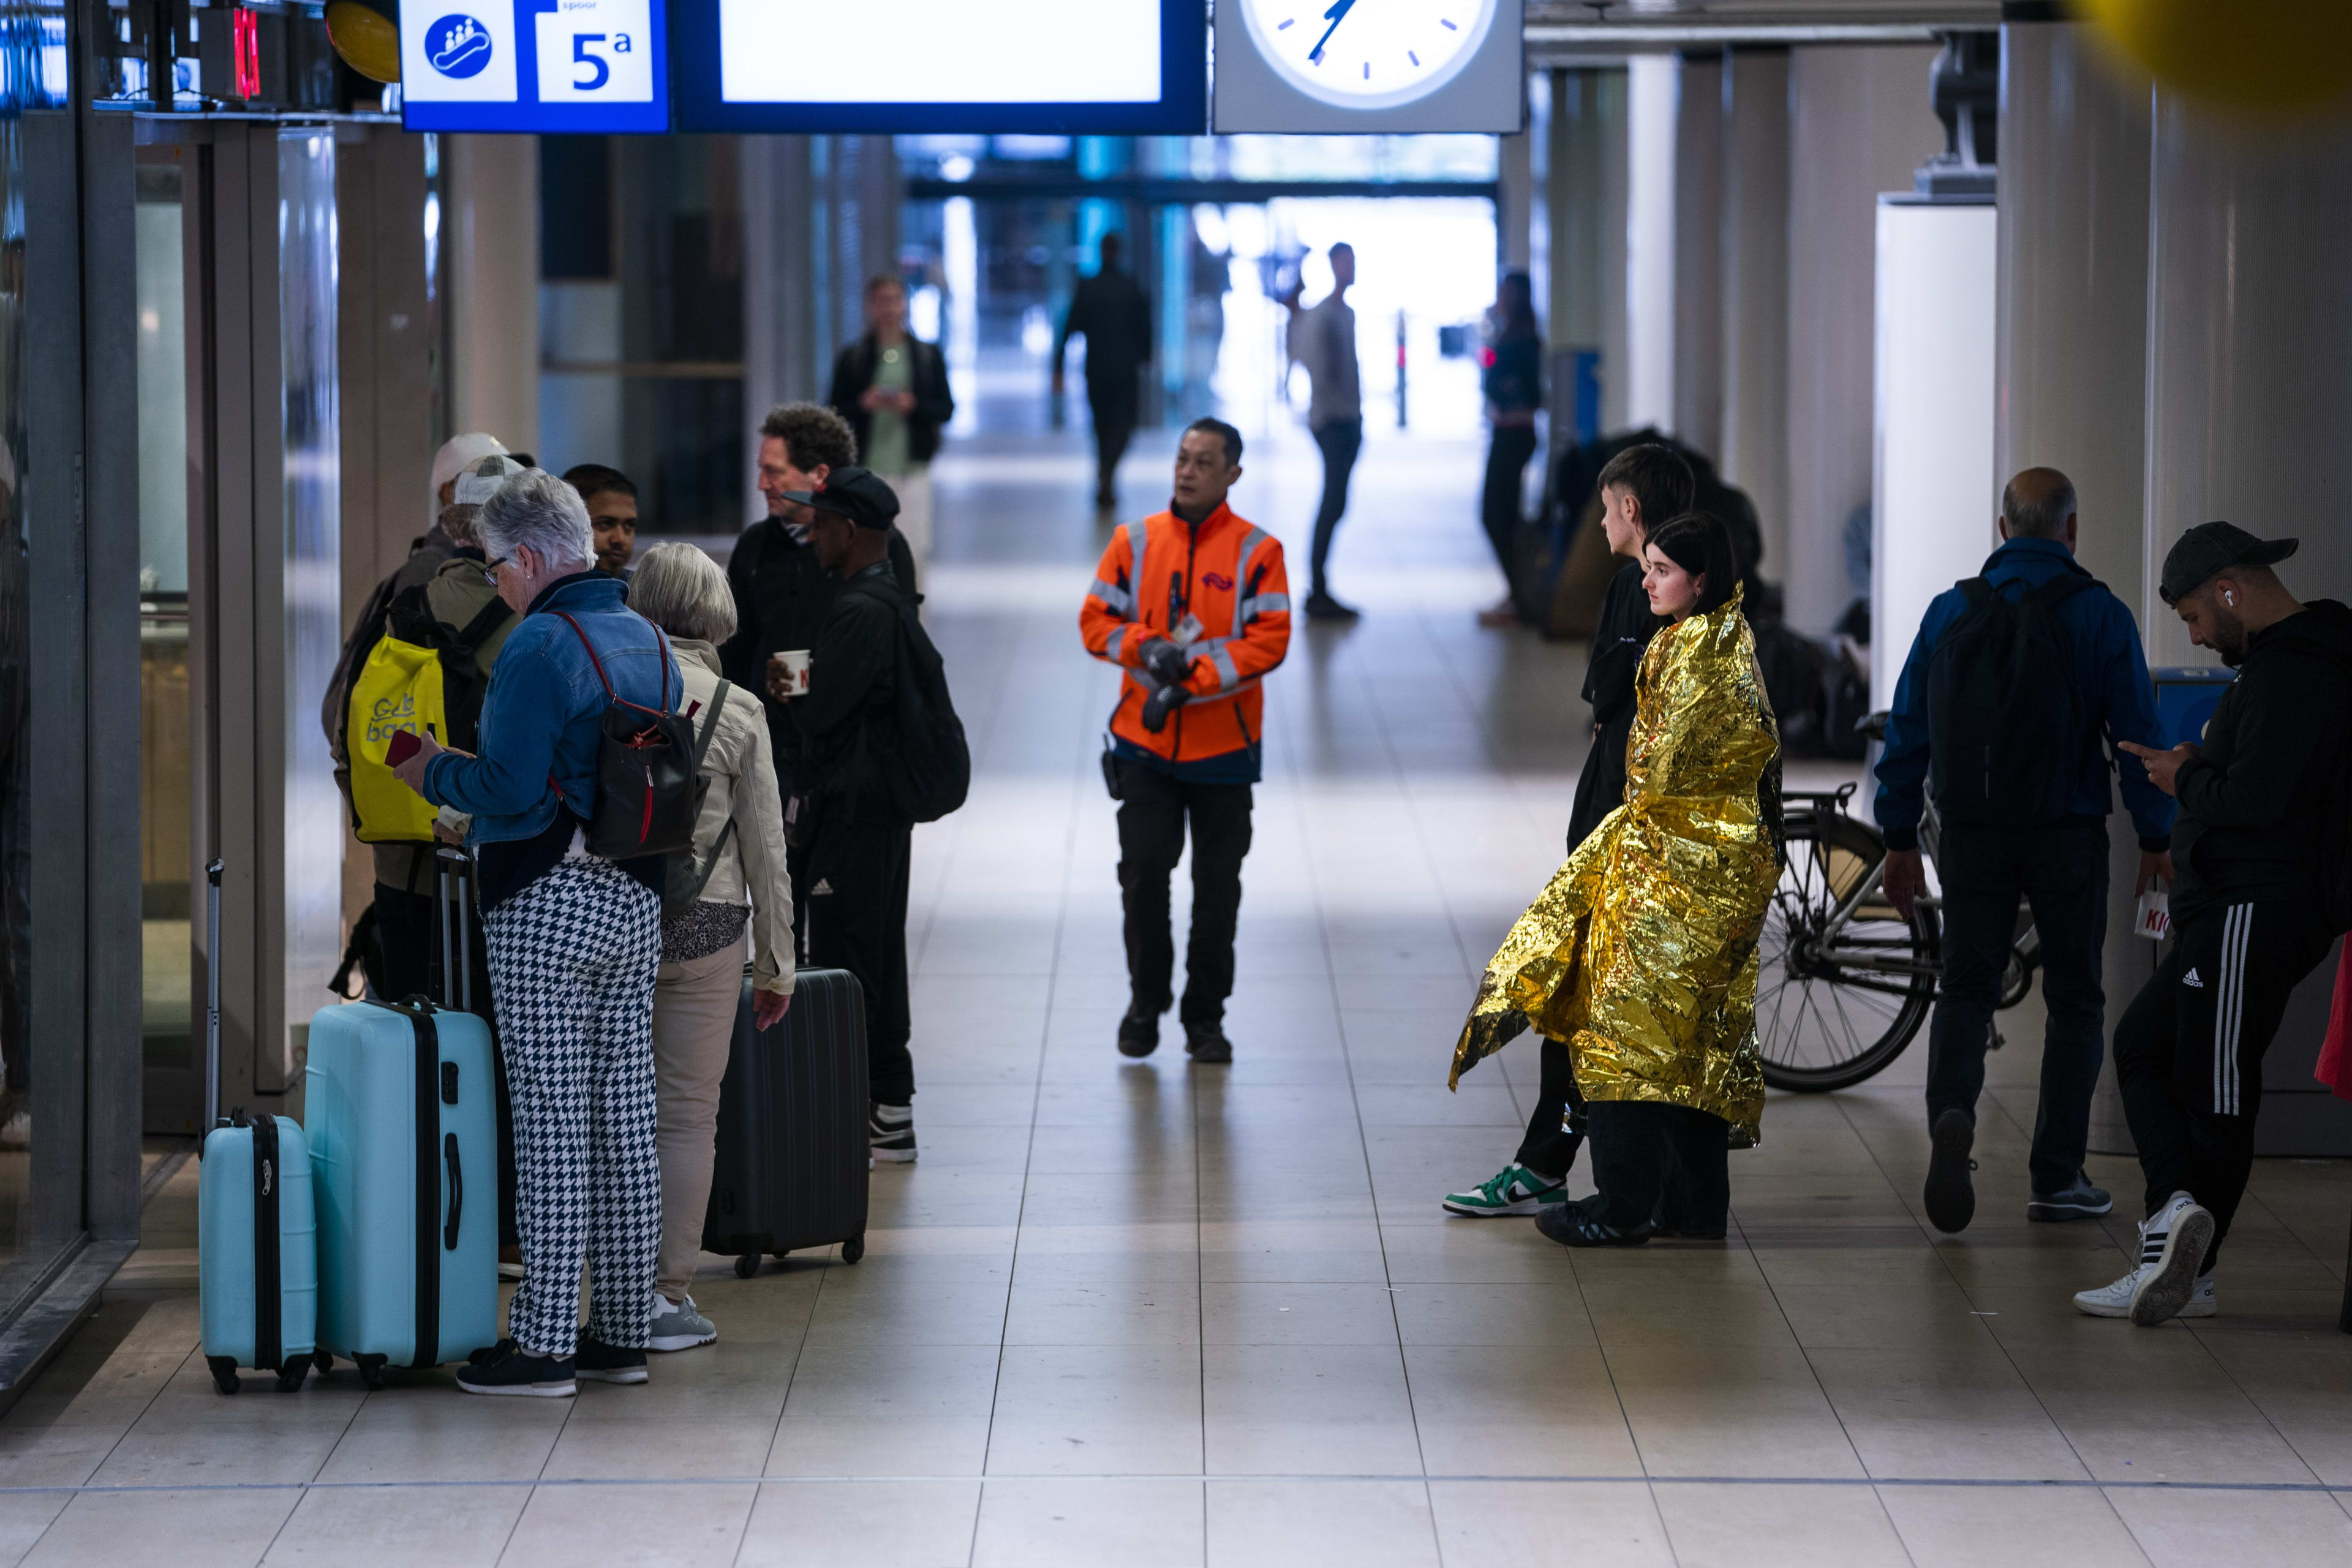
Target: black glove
{"x": 1162, "y": 702}
{"x": 1168, "y": 663}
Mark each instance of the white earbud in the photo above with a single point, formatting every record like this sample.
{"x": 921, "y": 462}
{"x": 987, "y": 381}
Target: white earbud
{"x": 2229, "y": 599}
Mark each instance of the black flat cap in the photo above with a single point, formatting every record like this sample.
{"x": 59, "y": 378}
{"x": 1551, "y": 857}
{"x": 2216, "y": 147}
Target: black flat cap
{"x": 854, "y": 493}
{"x": 2211, "y": 548}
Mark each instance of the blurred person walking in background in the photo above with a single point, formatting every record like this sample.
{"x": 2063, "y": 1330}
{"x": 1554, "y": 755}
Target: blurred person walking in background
{"x": 1323, "y": 339}
{"x": 1513, "y": 384}
{"x": 1111, "y": 311}
{"x": 728, "y": 902}
{"x": 892, "y": 387}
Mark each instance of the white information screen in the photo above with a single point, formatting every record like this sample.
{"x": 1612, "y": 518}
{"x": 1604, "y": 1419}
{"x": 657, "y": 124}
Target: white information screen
{"x": 939, "y": 51}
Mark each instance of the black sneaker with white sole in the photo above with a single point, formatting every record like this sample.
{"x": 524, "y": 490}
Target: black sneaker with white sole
{"x": 600, "y": 1362}
{"x": 2077, "y": 1200}
{"x": 504, "y": 1368}
{"x": 890, "y": 1133}
{"x": 1950, "y": 1197}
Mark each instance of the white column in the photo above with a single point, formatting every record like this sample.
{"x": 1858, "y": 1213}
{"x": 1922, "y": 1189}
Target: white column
{"x": 1860, "y": 122}
{"x": 1755, "y": 453}
{"x": 1585, "y": 198}
{"x": 1698, "y": 253}
{"x": 1652, "y": 86}
{"x": 493, "y": 229}
{"x": 1519, "y": 201}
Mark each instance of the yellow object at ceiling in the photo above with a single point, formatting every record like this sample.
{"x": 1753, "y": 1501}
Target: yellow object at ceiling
{"x": 368, "y": 40}
{"x": 2250, "y": 54}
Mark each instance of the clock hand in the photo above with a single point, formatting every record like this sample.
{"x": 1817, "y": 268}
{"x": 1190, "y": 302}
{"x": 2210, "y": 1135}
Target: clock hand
{"x": 1335, "y": 14}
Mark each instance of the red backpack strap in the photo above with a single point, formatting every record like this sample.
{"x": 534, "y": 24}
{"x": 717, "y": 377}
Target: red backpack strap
{"x": 610, "y": 695}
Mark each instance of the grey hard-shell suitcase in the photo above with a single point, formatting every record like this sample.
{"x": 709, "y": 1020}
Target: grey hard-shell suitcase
{"x": 793, "y": 1158}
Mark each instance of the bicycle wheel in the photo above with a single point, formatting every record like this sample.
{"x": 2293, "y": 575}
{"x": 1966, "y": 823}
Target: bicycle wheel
{"x": 1836, "y": 1002}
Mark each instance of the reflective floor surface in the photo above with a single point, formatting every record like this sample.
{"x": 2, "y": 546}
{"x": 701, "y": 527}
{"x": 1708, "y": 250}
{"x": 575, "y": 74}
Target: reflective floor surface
{"x": 1139, "y": 1313}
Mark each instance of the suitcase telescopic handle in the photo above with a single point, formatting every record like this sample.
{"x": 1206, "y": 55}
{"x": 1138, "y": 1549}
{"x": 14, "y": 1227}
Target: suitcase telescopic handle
{"x": 211, "y": 1000}
{"x": 456, "y": 1192}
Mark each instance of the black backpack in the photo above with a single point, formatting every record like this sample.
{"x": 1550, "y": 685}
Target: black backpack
{"x": 2005, "y": 730}
{"x": 463, "y": 684}
{"x": 929, "y": 768}
{"x": 648, "y": 794}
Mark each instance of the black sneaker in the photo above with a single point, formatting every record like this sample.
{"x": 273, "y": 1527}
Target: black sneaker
{"x": 1950, "y": 1197}
{"x": 890, "y": 1133}
{"x": 504, "y": 1369}
{"x": 1138, "y": 1032}
{"x": 1579, "y": 1224}
{"x": 1321, "y": 606}
{"x": 601, "y": 1363}
{"x": 1208, "y": 1047}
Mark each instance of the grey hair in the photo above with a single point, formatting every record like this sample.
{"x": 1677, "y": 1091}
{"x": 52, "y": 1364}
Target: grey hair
{"x": 2038, "y": 507}
{"x": 460, "y": 520}
{"x": 682, "y": 591}
{"x": 537, "y": 512}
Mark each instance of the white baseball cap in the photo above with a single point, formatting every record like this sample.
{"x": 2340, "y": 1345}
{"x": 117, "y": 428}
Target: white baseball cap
{"x": 459, "y": 453}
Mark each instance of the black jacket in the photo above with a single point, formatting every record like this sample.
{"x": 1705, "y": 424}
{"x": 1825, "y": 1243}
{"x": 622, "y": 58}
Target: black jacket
{"x": 844, "y": 723}
{"x": 1618, "y": 644}
{"x": 781, "y": 596}
{"x": 852, "y": 373}
{"x": 2252, "y": 801}
{"x": 1113, "y": 314}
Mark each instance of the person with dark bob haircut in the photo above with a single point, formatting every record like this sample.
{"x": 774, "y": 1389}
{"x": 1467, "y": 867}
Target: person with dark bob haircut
{"x": 1700, "y": 546}
{"x": 1641, "y": 954}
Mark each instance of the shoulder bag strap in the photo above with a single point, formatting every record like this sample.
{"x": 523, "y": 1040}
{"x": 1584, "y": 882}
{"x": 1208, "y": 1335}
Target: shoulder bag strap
{"x": 478, "y": 631}
{"x": 709, "y": 725}
{"x": 1978, "y": 591}
{"x": 599, "y": 663}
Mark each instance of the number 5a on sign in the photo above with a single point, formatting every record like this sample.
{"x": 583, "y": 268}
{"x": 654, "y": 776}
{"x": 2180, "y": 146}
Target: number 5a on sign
{"x": 595, "y": 51}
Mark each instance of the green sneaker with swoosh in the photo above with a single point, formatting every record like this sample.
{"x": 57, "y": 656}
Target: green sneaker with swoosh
{"x": 1512, "y": 1190}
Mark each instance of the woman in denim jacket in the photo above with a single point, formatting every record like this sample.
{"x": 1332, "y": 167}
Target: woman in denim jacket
{"x": 573, "y": 943}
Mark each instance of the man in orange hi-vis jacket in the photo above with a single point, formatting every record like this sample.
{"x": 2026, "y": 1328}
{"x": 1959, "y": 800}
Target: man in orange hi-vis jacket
{"x": 1193, "y": 606}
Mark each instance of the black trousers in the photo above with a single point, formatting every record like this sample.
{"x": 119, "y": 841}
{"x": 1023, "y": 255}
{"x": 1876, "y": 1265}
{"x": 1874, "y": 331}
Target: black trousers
{"x": 2061, "y": 872}
{"x": 410, "y": 940}
{"x": 1340, "y": 441}
{"x": 1153, "y": 810}
{"x": 2189, "y": 1049}
{"x": 1666, "y": 1162}
{"x": 852, "y": 887}
{"x": 1554, "y": 1131}
{"x": 1112, "y": 401}
{"x": 1498, "y": 508}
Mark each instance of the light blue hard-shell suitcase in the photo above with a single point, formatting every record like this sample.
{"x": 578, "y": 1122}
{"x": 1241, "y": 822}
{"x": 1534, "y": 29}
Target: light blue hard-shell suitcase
{"x": 256, "y": 1237}
{"x": 257, "y": 1252}
{"x": 404, "y": 1157}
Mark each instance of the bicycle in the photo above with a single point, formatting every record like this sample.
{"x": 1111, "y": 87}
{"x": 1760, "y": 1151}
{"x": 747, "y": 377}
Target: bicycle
{"x": 1845, "y": 980}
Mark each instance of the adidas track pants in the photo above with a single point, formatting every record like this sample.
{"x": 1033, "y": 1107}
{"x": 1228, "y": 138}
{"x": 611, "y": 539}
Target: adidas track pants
{"x": 2189, "y": 1050}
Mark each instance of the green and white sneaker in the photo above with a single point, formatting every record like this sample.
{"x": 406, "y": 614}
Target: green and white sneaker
{"x": 1514, "y": 1189}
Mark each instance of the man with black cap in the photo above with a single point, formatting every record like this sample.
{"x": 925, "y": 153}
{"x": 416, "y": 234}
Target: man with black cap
{"x": 860, "y": 842}
{"x": 2250, "y": 910}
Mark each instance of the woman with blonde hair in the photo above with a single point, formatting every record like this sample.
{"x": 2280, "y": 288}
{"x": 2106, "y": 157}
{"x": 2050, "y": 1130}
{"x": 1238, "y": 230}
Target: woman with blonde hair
{"x": 735, "y": 879}
{"x": 1641, "y": 954}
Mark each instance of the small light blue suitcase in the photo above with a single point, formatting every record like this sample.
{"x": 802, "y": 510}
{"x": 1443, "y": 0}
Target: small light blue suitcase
{"x": 404, "y": 1156}
{"x": 257, "y": 1258}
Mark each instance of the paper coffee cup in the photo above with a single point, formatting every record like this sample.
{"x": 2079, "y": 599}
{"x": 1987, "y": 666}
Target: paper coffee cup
{"x": 793, "y": 667}
{"x": 2155, "y": 920}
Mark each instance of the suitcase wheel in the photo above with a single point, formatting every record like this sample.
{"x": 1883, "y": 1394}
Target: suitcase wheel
{"x": 326, "y": 1364}
{"x": 854, "y": 1248}
{"x": 370, "y": 1370}
{"x": 747, "y": 1265}
{"x": 781, "y": 1254}
{"x": 224, "y": 1373}
{"x": 290, "y": 1375}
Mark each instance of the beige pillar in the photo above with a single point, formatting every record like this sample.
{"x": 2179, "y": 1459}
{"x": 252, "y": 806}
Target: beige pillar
{"x": 1698, "y": 253}
{"x": 1755, "y": 454}
{"x": 1860, "y": 122}
{"x": 492, "y": 231}
{"x": 1515, "y": 242}
{"x": 1586, "y": 199}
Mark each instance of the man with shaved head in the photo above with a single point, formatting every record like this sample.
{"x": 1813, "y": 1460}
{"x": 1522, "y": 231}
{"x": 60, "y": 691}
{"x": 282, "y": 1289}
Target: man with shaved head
{"x": 2019, "y": 688}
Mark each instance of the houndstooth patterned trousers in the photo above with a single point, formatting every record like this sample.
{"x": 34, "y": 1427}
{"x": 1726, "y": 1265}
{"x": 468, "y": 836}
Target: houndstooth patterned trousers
{"x": 572, "y": 958}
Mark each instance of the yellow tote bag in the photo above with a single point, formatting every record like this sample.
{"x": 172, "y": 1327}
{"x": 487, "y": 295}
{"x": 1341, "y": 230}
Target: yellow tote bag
{"x": 399, "y": 689}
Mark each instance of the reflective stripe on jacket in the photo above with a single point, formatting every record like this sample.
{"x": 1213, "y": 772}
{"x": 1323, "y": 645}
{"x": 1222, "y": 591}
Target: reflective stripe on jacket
{"x": 1227, "y": 576}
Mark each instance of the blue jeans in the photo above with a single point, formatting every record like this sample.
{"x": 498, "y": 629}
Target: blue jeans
{"x": 2061, "y": 872}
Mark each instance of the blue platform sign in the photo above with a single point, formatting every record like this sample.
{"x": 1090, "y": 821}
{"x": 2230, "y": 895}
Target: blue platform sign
{"x": 577, "y": 66}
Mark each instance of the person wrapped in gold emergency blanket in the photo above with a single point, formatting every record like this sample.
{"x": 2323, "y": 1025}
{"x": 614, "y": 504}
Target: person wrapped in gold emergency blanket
{"x": 1641, "y": 951}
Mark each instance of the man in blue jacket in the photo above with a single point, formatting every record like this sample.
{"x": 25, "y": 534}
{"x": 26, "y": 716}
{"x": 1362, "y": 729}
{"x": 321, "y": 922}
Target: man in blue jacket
{"x": 2057, "y": 857}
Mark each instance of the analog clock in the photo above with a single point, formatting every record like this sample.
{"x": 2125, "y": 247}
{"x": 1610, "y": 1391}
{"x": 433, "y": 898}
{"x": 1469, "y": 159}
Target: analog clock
{"x": 1368, "y": 54}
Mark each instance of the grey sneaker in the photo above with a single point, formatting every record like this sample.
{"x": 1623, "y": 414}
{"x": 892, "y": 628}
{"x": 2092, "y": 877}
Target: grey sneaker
{"x": 678, "y": 1328}
{"x": 890, "y": 1133}
{"x": 2077, "y": 1200}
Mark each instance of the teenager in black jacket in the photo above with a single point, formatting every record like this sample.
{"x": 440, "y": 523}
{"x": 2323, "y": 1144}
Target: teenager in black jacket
{"x": 892, "y": 387}
{"x": 2250, "y": 916}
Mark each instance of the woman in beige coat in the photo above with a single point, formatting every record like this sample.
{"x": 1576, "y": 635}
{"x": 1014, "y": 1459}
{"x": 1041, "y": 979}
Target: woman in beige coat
{"x": 740, "y": 842}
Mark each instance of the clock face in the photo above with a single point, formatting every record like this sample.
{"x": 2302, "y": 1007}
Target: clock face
{"x": 1369, "y": 54}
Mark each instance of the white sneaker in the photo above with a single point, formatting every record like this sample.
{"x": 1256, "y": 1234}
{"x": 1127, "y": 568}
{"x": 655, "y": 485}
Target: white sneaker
{"x": 2166, "y": 1283}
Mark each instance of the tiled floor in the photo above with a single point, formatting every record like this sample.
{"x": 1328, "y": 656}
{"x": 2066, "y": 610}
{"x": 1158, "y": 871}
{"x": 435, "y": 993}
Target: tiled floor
{"x": 1131, "y": 1313}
